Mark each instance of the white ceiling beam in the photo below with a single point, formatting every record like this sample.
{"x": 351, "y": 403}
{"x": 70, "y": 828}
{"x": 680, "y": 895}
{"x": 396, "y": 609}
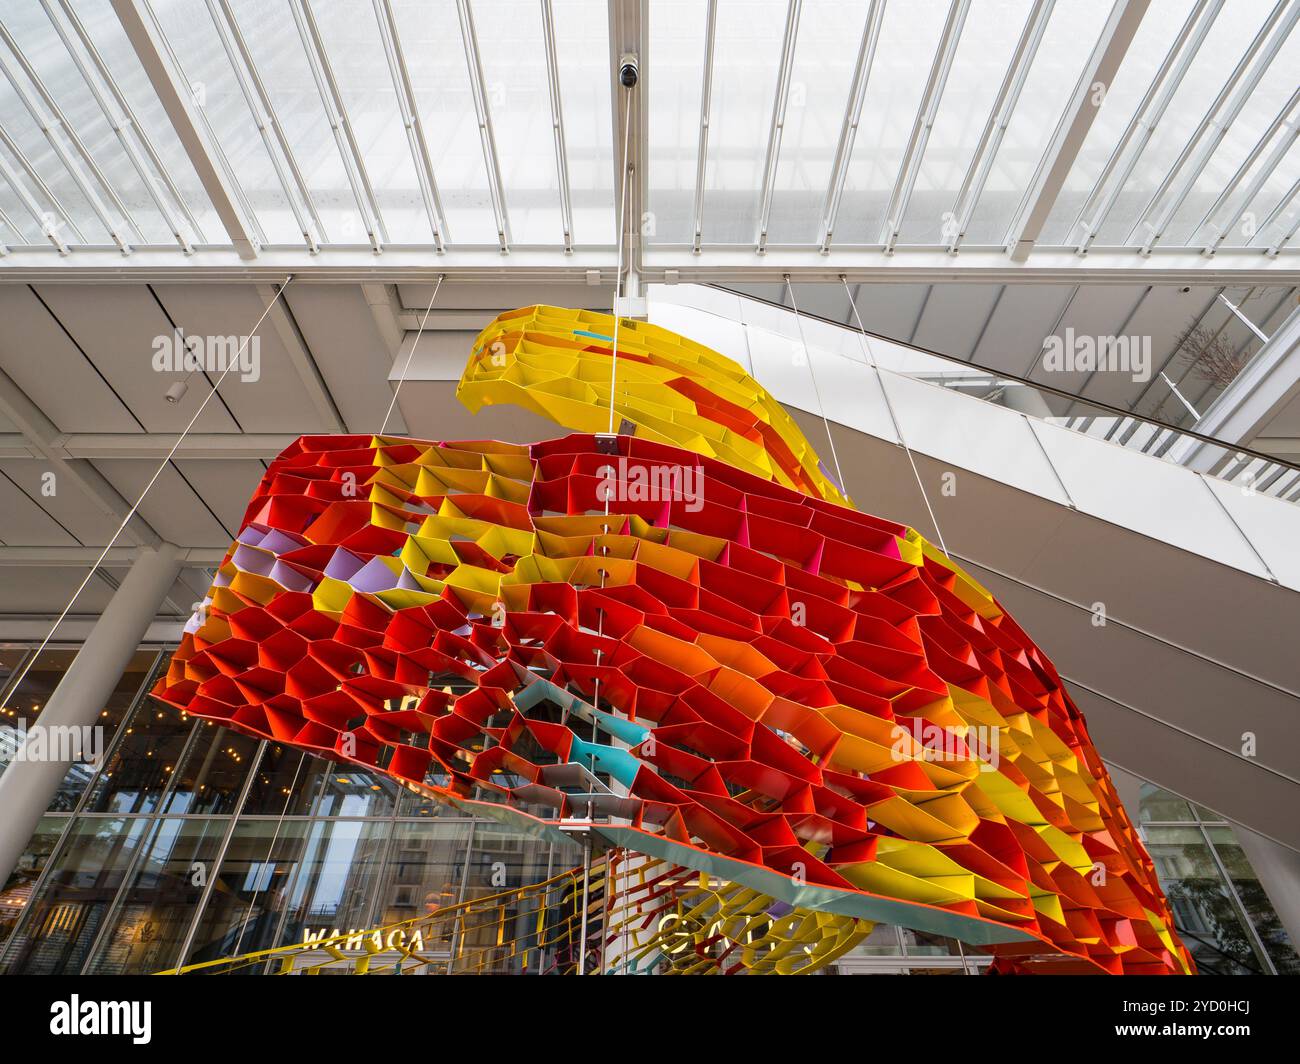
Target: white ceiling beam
{"x": 145, "y": 39}
{"x": 49, "y": 118}
{"x": 410, "y": 109}
{"x": 93, "y": 446}
{"x": 336, "y": 112}
{"x": 447, "y": 321}
{"x": 1216, "y": 121}
{"x": 852, "y": 119}
{"x": 926, "y": 112}
{"x": 262, "y": 108}
{"x": 1142, "y": 126}
{"x": 487, "y": 136}
{"x": 774, "y": 134}
{"x": 736, "y": 263}
{"x": 353, "y": 265}
{"x": 1283, "y": 205}
{"x": 1084, "y": 103}
{"x": 706, "y": 108}
{"x": 975, "y": 266}
{"x": 1280, "y": 242}
{"x": 557, "y": 123}
{"x": 386, "y": 309}
{"x": 304, "y": 364}
{"x": 1290, "y": 128}
{"x": 124, "y": 121}
{"x": 50, "y": 230}
{"x": 120, "y": 125}
{"x": 995, "y": 127}
{"x": 82, "y": 557}
{"x": 43, "y": 437}
{"x": 629, "y": 34}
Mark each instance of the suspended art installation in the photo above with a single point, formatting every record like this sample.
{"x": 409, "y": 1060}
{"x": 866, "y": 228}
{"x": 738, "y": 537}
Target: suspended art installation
{"x": 684, "y": 635}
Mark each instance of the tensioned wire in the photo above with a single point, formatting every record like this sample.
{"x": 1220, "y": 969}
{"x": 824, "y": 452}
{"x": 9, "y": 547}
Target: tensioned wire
{"x": 388, "y": 414}
{"x": 410, "y": 354}
{"x": 618, "y": 278}
{"x": 898, "y": 429}
{"x": 230, "y": 364}
{"x": 613, "y": 365}
{"x": 821, "y": 409}
{"x": 613, "y": 384}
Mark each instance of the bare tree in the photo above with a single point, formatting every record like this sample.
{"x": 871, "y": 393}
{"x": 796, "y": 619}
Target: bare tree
{"x": 1211, "y": 356}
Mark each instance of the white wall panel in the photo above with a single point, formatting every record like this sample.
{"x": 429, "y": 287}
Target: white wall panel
{"x": 1273, "y": 527}
{"x": 1148, "y": 495}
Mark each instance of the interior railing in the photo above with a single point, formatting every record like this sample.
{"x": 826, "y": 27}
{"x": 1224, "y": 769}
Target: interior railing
{"x": 1254, "y": 472}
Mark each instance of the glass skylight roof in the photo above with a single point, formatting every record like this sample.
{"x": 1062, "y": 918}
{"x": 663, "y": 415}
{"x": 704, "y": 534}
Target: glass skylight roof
{"x": 882, "y": 124}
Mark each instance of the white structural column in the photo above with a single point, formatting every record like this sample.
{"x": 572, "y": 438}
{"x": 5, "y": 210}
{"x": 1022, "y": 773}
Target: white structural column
{"x": 1278, "y": 868}
{"x": 27, "y": 786}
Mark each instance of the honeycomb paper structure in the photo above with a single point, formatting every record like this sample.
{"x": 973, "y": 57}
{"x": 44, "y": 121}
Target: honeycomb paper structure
{"x": 683, "y": 633}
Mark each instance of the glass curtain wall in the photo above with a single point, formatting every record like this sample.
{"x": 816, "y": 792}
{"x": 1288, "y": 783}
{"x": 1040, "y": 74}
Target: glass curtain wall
{"x": 1221, "y": 911}
{"x": 188, "y": 843}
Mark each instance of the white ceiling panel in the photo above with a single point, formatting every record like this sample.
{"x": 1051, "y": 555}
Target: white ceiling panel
{"x": 954, "y": 317}
{"x": 273, "y": 402}
{"x": 350, "y": 351}
{"x": 45, "y": 363}
{"x": 1164, "y": 315}
{"x": 171, "y": 506}
{"x": 118, "y": 327}
{"x": 1101, "y": 310}
{"x": 892, "y": 310}
{"x": 38, "y": 590}
{"x": 1023, "y": 316}
{"x": 68, "y": 506}
{"x": 25, "y": 523}
{"x": 225, "y": 485}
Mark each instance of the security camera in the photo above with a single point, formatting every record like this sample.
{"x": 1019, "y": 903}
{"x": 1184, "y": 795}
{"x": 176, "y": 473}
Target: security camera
{"x": 1186, "y": 288}
{"x": 628, "y": 71}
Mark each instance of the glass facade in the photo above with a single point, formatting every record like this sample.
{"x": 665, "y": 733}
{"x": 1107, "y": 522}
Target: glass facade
{"x": 190, "y": 843}
{"x": 1220, "y": 909}
{"x": 953, "y": 117}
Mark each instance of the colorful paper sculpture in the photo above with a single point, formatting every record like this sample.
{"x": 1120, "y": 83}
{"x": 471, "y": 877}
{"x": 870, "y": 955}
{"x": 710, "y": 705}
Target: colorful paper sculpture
{"x": 683, "y": 632}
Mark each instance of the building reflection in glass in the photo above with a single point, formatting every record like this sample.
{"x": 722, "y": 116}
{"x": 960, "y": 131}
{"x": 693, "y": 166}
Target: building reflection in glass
{"x": 189, "y": 841}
